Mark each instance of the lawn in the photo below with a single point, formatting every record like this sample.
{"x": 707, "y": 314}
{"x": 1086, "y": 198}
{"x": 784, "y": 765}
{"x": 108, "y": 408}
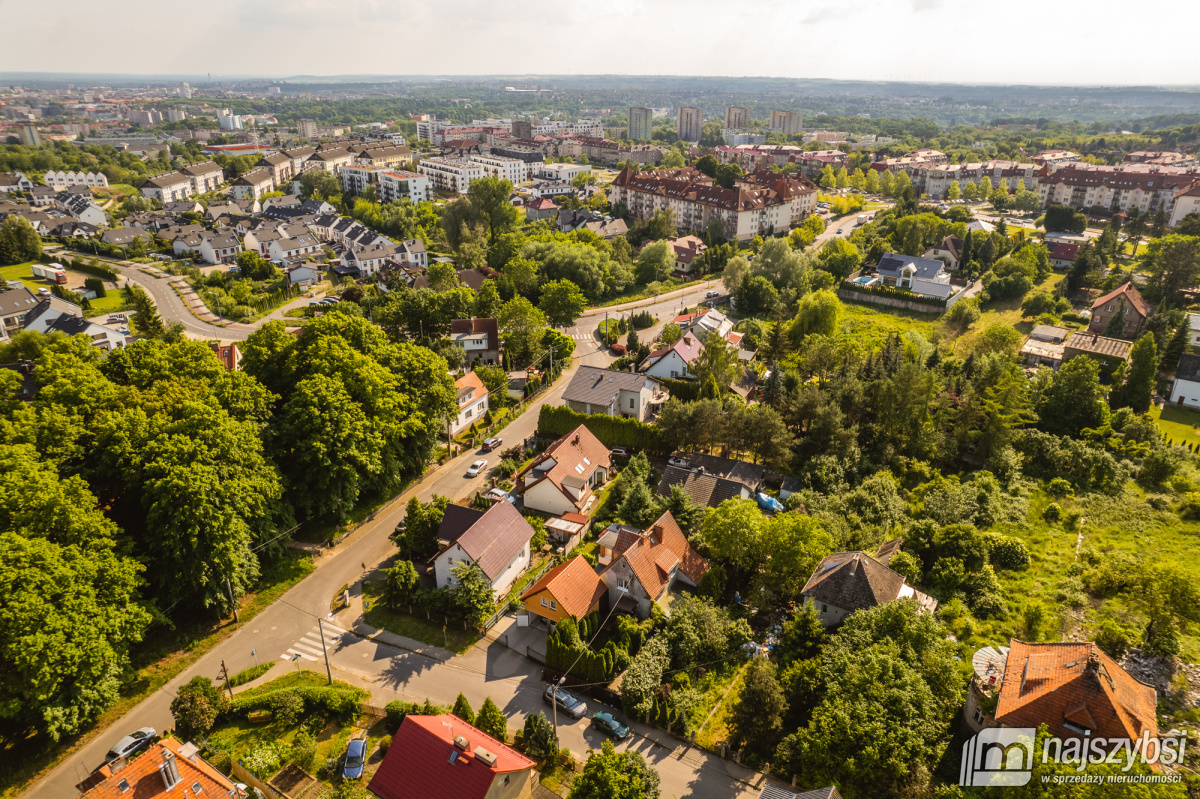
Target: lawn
{"x": 24, "y": 273}
{"x": 1179, "y": 424}
{"x": 716, "y": 730}
{"x": 418, "y": 628}
{"x": 165, "y": 654}
{"x": 872, "y": 324}
{"x": 111, "y": 303}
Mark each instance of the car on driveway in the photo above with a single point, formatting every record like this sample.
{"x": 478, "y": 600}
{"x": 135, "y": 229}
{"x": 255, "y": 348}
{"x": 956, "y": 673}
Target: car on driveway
{"x": 356, "y": 759}
{"x": 568, "y": 703}
{"x": 680, "y": 462}
{"x": 610, "y": 725}
{"x": 475, "y": 468}
{"x": 491, "y": 444}
{"x": 134, "y": 742}
{"x": 498, "y": 494}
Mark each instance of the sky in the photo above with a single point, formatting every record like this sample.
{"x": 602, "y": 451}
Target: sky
{"x": 962, "y": 41}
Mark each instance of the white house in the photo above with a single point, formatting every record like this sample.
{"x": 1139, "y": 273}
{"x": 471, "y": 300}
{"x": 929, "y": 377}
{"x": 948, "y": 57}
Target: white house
{"x": 673, "y": 362}
{"x": 1186, "y": 388}
{"x": 923, "y": 276}
{"x": 283, "y": 249}
{"x": 612, "y": 392}
{"x": 563, "y": 479}
{"x": 168, "y": 187}
{"x": 50, "y": 317}
{"x": 14, "y": 181}
{"x": 253, "y": 184}
{"x": 219, "y": 249}
{"x": 497, "y": 541}
{"x": 75, "y": 179}
{"x": 472, "y": 401}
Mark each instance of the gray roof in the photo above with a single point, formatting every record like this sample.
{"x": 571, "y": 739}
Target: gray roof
{"x": 853, "y": 581}
{"x": 1189, "y": 368}
{"x": 495, "y": 538}
{"x": 16, "y": 301}
{"x": 597, "y": 386}
{"x": 750, "y": 475}
{"x": 892, "y": 263}
{"x": 706, "y": 490}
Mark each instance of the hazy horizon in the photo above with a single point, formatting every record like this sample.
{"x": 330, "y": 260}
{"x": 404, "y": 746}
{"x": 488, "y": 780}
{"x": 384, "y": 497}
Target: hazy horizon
{"x": 901, "y": 41}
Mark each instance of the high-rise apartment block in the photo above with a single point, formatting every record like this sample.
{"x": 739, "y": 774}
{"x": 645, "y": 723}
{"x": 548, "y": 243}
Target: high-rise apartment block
{"x": 307, "y": 128}
{"x": 29, "y": 135}
{"x": 641, "y": 123}
{"x": 788, "y": 123}
{"x": 689, "y": 122}
{"x": 737, "y": 118}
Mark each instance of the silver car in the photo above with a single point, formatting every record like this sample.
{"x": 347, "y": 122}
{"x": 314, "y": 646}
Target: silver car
{"x": 134, "y": 742}
{"x": 567, "y": 703}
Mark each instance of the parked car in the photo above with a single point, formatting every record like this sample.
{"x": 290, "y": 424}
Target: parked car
{"x": 475, "y": 468}
{"x": 135, "y": 741}
{"x": 499, "y": 494}
{"x": 565, "y": 701}
{"x": 492, "y": 443}
{"x": 839, "y": 232}
{"x": 624, "y": 453}
{"x": 402, "y": 526}
{"x": 43, "y": 292}
{"x": 680, "y": 462}
{"x": 610, "y": 725}
{"x": 713, "y": 294}
{"x": 356, "y": 759}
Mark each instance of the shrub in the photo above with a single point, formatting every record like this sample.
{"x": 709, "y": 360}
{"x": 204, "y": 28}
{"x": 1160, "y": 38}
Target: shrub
{"x": 304, "y": 750}
{"x": 1190, "y": 507}
{"x": 541, "y": 743}
{"x": 286, "y": 707}
{"x": 266, "y": 758}
{"x": 197, "y": 707}
{"x": 1060, "y": 488}
{"x": 613, "y": 431}
{"x": 1053, "y": 513}
{"x": 1162, "y": 638}
{"x": 1007, "y": 552}
{"x": 385, "y": 743}
{"x": 251, "y": 674}
{"x": 396, "y": 710}
{"x": 1112, "y": 640}
{"x": 506, "y": 467}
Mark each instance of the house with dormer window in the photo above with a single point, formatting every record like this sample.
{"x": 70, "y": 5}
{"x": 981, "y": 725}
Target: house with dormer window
{"x": 472, "y": 402}
{"x": 564, "y": 478}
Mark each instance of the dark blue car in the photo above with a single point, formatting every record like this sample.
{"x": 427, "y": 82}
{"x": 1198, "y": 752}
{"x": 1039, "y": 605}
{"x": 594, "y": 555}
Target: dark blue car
{"x": 356, "y": 759}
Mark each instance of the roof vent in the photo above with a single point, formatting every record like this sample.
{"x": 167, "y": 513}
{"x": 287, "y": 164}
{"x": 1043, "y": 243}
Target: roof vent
{"x": 486, "y": 757}
{"x": 462, "y": 743}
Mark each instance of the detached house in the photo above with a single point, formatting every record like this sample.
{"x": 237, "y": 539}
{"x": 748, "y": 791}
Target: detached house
{"x": 848, "y": 581}
{"x": 479, "y": 338}
{"x": 1125, "y": 298}
{"x": 497, "y": 541}
{"x": 673, "y": 361}
{"x": 613, "y": 393}
{"x": 563, "y": 479}
{"x": 646, "y": 564}
{"x": 167, "y": 769}
{"x": 949, "y": 251}
{"x": 443, "y": 756}
{"x": 924, "y": 276}
{"x": 472, "y": 401}
{"x": 569, "y": 589}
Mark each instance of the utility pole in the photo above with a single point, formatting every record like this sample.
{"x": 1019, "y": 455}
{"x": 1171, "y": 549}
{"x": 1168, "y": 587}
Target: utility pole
{"x": 328, "y": 670}
{"x": 232, "y": 601}
{"x": 225, "y": 675}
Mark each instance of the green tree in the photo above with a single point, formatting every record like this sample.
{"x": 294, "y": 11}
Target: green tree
{"x": 871, "y": 183}
{"x": 671, "y": 333}
{"x": 1116, "y": 325}
{"x": 757, "y": 717}
{"x": 654, "y": 262}
{"x": 196, "y": 708}
{"x": 708, "y": 164}
{"x": 818, "y": 314}
{"x": 887, "y": 183}
{"x": 562, "y": 303}
{"x": 492, "y": 720}
{"x": 521, "y": 327}
{"x": 319, "y": 184}
{"x": 954, "y": 192}
{"x": 673, "y": 160}
{"x": 145, "y": 319}
{"x": 1073, "y": 399}
{"x": 1176, "y": 347}
{"x": 841, "y": 178}
{"x": 717, "y": 360}
{"x": 1174, "y": 262}
{"x": 472, "y": 593}
{"x": 462, "y": 709}
{"x": 18, "y": 240}
{"x": 541, "y": 742}
{"x": 827, "y": 178}
{"x": 487, "y": 300}
{"x": 840, "y": 258}
{"x": 727, "y": 174}
{"x": 399, "y": 583}
{"x": 1140, "y": 378}
{"x": 609, "y": 774}
{"x": 491, "y": 199}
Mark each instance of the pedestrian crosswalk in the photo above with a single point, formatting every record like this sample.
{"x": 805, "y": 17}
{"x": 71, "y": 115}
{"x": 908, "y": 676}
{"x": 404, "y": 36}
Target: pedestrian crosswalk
{"x": 309, "y": 647}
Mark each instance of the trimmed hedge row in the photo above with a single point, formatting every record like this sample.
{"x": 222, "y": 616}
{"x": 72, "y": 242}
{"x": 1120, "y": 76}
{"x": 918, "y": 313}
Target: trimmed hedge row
{"x": 895, "y": 293}
{"x": 613, "y": 431}
{"x": 682, "y": 390}
{"x": 340, "y": 702}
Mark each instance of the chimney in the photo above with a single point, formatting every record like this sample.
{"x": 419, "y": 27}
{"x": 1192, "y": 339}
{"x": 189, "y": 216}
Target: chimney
{"x": 169, "y": 770}
{"x": 854, "y": 565}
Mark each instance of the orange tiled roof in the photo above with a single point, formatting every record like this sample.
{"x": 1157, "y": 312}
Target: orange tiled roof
{"x": 1076, "y": 683}
{"x": 574, "y": 584}
{"x": 658, "y": 551}
{"x": 579, "y": 448}
{"x": 1135, "y": 299}
{"x": 142, "y": 780}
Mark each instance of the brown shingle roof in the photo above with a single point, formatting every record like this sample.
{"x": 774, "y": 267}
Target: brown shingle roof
{"x": 853, "y": 581}
{"x": 1055, "y": 683}
{"x": 657, "y": 552}
{"x": 576, "y": 455}
{"x": 495, "y": 538}
{"x": 1132, "y": 295}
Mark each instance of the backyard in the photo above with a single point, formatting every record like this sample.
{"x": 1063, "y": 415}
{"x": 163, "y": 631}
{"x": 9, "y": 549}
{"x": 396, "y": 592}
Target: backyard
{"x": 113, "y": 302}
{"x": 1179, "y": 424}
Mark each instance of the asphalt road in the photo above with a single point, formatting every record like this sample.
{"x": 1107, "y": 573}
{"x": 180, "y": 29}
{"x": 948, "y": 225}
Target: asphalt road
{"x": 289, "y": 626}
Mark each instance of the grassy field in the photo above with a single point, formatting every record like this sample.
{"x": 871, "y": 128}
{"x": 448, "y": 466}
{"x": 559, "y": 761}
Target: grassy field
{"x": 716, "y": 730}
{"x": 111, "y": 303}
{"x": 1180, "y": 424}
{"x": 164, "y": 655}
{"x": 872, "y": 324}
{"x": 418, "y": 628}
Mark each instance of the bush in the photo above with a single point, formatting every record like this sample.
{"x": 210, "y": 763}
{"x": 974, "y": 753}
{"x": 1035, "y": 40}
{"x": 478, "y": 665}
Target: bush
{"x": 251, "y": 674}
{"x": 396, "y": 710}
{"x": 304, "y": 750}
{"x": 1162, "y": 639}
{"x": 196, "y": 707}
{"x": 964, "y": 312}
{"x": 1060, "y": 488}
{"x": 286, "y": 707}
{"x": 385, "y": 743}
{"x": 266, "y": 759}
{"x": 341, "y": 701}
{"x": 506, "y": 467}
{"x": 1053, "y": 513}
{"x": 1007, "y": 552}
{"x": 1112, "y": 640}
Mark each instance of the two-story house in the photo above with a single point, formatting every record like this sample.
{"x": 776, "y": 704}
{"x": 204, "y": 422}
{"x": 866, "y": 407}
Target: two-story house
{"x": 497, "y": 541}
{"x": 646, "y": 564}
{"x": 613, "y": 393}
{"x": 924, "y": 276}
{"x": 564, "y": 478}
{"x": 479, "y": 338}
{"x": 1124, "y": 299}
{"x": 673, "y": 361}
{"x": 848, "y": 581}
{"x": 472, "y": 402}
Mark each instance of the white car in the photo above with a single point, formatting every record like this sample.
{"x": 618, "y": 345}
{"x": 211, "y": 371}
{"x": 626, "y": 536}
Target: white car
{"x": 680, "y": 462}
{"x": 475, "y": 468}
{"x": 713, "y": 294}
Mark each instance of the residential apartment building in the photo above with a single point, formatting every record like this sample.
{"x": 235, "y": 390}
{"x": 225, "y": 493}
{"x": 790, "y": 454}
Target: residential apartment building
{"x": 641, "y": 123}
{"x": 1160, "y": 158}
{"x": 205, "y": 177}
{"x": 513, "y": 170}
{"x": 253, "y": 184}
{"x": 299, "y": 156}
{"x": 62, "y": 179}
{"x": 381, "y": 156}
{"x": 1122, "y": 187}
{"x": 29, "y": 136}
{"x": 688, "y": 122}
{"x": 397, "y": 184}
{"x": 751, "y": 157}
{"x": 168, "y": 187}
{"x": 450, "y": 174}
{"x": 355, "y": 178}
{"x": 788, "y": 123}
{"x": 775, "y": 203}
{"x": 1187, "y": 201}
{"x": 935, "y": 179}
{"x": 737, "y": 118}
{"x": 332, "y": 160}
{"x": 530, "y": 155}
{"x": 280, "y": 165}
{"x": 307, "y": 129}
{"x": 1056, "y": 158}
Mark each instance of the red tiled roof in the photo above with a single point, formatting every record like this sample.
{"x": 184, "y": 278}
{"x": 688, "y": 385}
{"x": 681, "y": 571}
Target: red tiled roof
{"x": 1134, "y": 298}
{"x": 470, "y": 381}
{"x": 574, "y": 584}
{"x": 417, "y": 764}
{"x": 579, "y": 448}
{"x": 1063, "y": 250}
{"x": 1056, "y": 683}
{"x": 541, "y": 204}
{"x": 143, "y": 780}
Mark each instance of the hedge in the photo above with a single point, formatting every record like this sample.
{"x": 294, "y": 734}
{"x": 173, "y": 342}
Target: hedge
{"x": 891, "y": 291}
{"x": 683, "y": 390}
{"x": 613, "y": 431}
{"x": 337, "y": 701}
{"x": 99, "y": 270}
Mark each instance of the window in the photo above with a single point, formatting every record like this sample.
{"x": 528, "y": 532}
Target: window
{"x": 479, "y": 407}
{"x": 553, "y": 606}
{"x": 632, "y": 403}
{"x": 824, "y": 607}
{"x": 979, "y": 717}
{"x": 467, "y": 414}
{"x": 543, "y": 601}
{"x": 196, "y": 789}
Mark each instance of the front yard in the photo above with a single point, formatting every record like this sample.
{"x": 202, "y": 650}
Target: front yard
{"x": 415, "y": 625}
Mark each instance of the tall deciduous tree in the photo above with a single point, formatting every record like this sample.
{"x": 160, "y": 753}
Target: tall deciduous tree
{"x": 609, "y": 774}
{"x": 562, "y": 303}
{"x": 491, "y": 199}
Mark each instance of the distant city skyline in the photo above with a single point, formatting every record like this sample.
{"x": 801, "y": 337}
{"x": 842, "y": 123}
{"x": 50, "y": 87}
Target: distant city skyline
{"x": 881, "y": 40}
